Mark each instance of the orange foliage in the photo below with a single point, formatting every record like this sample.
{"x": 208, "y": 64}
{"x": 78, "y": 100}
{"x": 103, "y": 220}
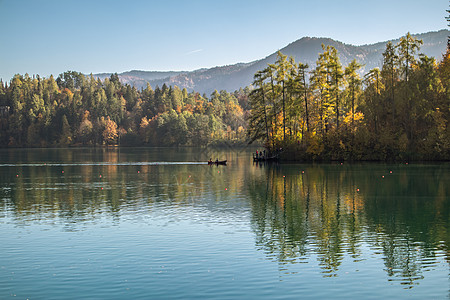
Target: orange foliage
{"x": 144, "y": 123}
{"x": 68, "y": 93}
{"x": 189, "y": 108}
{"x": 199, "y": 106}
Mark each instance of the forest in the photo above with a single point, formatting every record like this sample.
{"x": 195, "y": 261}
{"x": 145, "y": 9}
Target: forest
{"x": 326, "y": 112}
{"x": 79, "y": 110}
{"x": 332, "y": 112}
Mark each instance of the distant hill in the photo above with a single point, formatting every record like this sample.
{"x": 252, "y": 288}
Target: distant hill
{"x": 139, "y": 78}
{"x": 306, "y": 50}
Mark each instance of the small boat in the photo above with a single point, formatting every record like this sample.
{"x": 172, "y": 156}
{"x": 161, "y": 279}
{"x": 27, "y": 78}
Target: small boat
{"x": 265, "y": 158}
{"x": 217, "y": 162}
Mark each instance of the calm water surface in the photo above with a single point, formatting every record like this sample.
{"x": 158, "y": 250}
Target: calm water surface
{"x": 162, "y": 224}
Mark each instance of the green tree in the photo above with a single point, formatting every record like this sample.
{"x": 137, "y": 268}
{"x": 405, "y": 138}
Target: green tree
{"x": 427, "y": 121}
{"x": 374, "y": 108}
{"x": 282, "y": 70}
{"x": 302, "y": 79}
{"x": 389, "y": 74}
{"x": 66, "y": 132}
{"x": 320, "y": 83}
{"x": 353, "y": 81}
{"x": 407, "y": 48}
{"x": 336, "y": 79}
{"x": 85, "y": 129}
{"x": 258, "y": 119}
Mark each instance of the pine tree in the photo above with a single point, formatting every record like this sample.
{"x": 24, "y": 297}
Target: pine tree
{"x": 389, "y": 73}
{"x": 407, "y": 48}
{"x": 282, "y": 67}
{"x": 258, "y": 117}
{"x": 336, "y": 75}
{"x": 302, "y": 77}
{"x": 354, "y": 84}
{"x": 66, "y": 132}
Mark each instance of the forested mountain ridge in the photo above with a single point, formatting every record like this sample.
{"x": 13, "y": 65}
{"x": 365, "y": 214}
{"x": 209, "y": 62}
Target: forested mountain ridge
{"x": 140, "y": 78}
{"x": 305, "y": 50}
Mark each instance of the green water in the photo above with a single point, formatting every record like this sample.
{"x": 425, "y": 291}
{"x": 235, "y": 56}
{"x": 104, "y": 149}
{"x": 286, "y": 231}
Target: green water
{"x": 162, "y": 224}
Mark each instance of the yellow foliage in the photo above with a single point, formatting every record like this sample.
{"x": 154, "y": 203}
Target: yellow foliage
{"x": 315, "y": 146}
{"x": 354, "y": 202}
{"x": 144, "y": 122}
{"x": 233, "y": 107}
{"x": 110, "y": 133}
{"x": 359, "y": 117}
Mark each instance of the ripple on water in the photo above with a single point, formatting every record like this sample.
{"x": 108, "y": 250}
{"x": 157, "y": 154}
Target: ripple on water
{"x": 234, "y": 233}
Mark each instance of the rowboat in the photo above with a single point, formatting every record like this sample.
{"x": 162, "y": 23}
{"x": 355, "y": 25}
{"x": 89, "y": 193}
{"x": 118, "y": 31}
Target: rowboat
{"x": 217, "y": 162}
{"x": 265, "y": 158}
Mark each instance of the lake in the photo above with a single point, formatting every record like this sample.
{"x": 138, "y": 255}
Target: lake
{"x": 160, "y": 223}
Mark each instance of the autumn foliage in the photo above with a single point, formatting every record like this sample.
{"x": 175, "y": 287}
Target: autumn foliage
{"x": 400, "y": 112}
{"x": 80, "y": 110}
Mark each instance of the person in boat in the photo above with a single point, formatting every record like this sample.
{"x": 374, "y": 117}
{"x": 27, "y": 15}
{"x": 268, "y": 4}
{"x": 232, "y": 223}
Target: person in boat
{"x": 217, "y": 160}
{"x": 210, "y": 161}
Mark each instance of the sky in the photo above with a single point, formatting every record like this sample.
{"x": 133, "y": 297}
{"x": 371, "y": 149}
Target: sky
{"x": 93, "y": 36}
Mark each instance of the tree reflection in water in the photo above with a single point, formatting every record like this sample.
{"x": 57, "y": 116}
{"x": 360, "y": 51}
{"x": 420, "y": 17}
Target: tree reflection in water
{"x": 329, "y": 212}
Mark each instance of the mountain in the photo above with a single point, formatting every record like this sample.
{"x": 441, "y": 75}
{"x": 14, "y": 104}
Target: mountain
{"x": 140, "y": 78}
{"x": 304, "y": 50}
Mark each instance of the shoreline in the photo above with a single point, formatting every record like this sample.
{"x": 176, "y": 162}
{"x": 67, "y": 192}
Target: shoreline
{"x": 282, "y": 161}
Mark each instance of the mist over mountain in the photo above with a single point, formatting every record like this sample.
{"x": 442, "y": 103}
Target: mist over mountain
{"x": 305, "y": 50}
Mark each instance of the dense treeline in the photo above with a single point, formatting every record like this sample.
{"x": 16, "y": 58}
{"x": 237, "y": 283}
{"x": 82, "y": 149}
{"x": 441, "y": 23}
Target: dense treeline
{"x": 332, "y": 112}
{"x": 400, "y": 111}
{"x": 80, "y": 110}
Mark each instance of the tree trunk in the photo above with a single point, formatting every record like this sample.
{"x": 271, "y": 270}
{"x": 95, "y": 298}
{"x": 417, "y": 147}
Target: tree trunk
{"x": 284, "y": 113}
{"x": 306, "y": 103}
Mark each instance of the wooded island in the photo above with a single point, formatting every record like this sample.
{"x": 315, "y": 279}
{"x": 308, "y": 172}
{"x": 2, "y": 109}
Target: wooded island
{"x": 326, "y": 112}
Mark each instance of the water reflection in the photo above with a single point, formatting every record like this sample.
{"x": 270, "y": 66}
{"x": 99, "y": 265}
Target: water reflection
{"x": 326, "y": 214}
{"x": 332, "y": 212}
{"x": 82, "y": 185}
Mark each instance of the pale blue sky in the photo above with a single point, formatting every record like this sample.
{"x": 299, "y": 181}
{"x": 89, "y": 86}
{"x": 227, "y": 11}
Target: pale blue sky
{"x": 49, "y": 37}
